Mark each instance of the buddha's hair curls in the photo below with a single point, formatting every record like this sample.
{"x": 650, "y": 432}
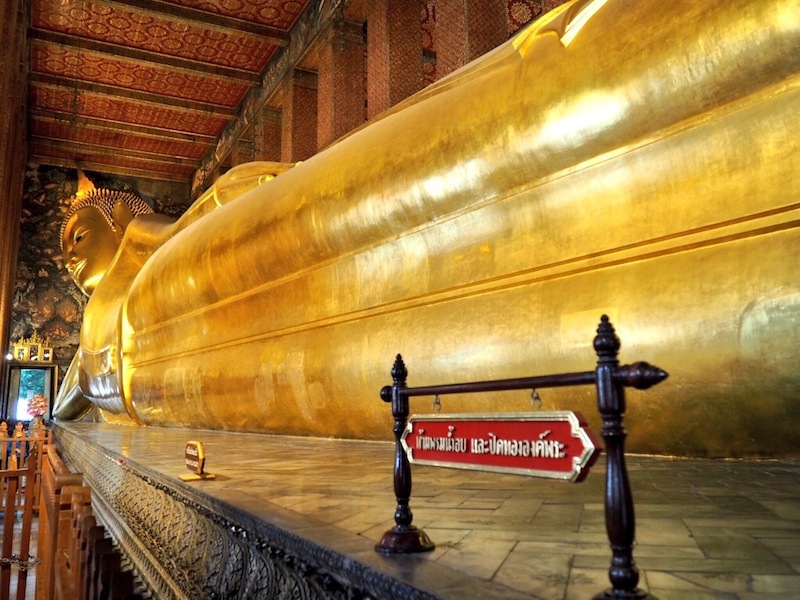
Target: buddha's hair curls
{"x": 104, "y": 201}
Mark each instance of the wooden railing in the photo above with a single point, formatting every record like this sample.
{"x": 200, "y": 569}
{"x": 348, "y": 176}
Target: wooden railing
{"x": 18, "y": 490}
{"x": 78, "y": 557}
{"x": 14, "y": 453}
{"x": 57, "y": 484}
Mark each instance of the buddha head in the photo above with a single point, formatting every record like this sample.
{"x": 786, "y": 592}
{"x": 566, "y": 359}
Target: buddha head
{"x": 92, "y": 231}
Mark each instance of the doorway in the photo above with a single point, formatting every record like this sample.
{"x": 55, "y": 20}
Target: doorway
{"x": 24, "y": 381}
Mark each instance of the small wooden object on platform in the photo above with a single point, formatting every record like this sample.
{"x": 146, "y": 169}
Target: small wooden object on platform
{"x": 195, "y": 462}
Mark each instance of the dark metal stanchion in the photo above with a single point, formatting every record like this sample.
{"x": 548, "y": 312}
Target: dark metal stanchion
{"x": 403, "y": 537}
{"x": 620, "y": 519}
{"x": 611, "y": 381}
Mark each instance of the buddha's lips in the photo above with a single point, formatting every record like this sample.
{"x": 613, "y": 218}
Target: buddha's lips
{"x": 76, "y": 270}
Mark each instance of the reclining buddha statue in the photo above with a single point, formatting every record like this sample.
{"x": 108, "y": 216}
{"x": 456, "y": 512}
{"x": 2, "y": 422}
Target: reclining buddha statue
{"x": 631, "y": 159}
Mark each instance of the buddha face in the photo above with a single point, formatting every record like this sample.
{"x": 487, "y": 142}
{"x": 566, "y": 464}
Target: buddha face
{"x": 90, "y": 245}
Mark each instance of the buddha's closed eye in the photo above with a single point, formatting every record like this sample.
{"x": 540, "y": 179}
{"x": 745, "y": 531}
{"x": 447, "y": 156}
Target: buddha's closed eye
{"x": 79, "y": 234}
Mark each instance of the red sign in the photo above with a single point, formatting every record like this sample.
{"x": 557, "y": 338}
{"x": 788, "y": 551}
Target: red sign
{"x": 555, "y": 444}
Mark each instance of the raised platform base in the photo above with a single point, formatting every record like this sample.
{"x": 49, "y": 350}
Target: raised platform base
{"x": 300, "y": 518}
{"x": 230, "y": 537}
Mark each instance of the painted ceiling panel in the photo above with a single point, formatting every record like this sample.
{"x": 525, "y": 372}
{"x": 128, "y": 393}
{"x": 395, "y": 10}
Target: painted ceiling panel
{"x": 98, "y": 68}
{"x": 114, "y": 24}
{"x": 63, "y": 155}
{"x": 61, "y": 130}
{"x": 113, "y": 108}
{"x": 275, "y": 13}
{"x": 158, "y": 80}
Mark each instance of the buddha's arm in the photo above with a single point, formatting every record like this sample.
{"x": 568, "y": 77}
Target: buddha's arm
{"x": 70, "y": 402}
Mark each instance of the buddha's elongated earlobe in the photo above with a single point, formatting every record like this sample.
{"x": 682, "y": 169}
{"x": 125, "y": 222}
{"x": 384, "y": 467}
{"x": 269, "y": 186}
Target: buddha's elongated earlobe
{"x": 121, "y": 218}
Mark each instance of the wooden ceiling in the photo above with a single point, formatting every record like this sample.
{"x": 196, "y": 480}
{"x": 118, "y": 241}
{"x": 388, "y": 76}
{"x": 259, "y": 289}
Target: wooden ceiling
{"x": 144, "y": 88}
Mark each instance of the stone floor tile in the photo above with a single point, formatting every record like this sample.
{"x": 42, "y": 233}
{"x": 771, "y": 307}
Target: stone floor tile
{"x": 693, "y": 595}
{"x": 657, "y": 551}
{"x": 699, "y": 582}
{"x": 777, "y": 583}
{"x": 488, "y": 591}
{"x": 447, "y": 538}
{"x": 742, "y": 521}
{"x": 366, "y": 521}
{"x": 294, "y": 500}
{"x": 670, "y": 563}
{"x": 787, "y": 549}
{"x": 770, "y": 596}
{"x": 482, "y": 559}
{"x": 664, "y": 511}
{"x": 726, "y": 542}
{"x": 523, "y": 508}
{"x": 585, "y": 583}
{"x": 492, "y": 505}
{"x": 338, "y": 513}
{"x": 664, "y": 532}
{"x": 373, "y": 534}
{"x": 319, "y": 505}
{"x": 784, "y": 509}
{"x": 545, "y": 576}
{"x": 560, "y": 517}
{"x": 539, "y": 548}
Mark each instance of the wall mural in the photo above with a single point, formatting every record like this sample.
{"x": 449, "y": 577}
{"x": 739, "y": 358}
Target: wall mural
{"x": 521, "y": 12}
{"x": 45, "y": 297}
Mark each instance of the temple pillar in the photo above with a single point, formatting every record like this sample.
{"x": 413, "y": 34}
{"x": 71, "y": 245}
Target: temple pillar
{"x": 13, "y": 151}
{"x": 341, "y": 91}
{"x": 467, "y": 29}
{"x": 394, "y": 53}
{"x": 299, "y": 117}
{"x": 267, "y": 135}
{"x": 244, "y": 149}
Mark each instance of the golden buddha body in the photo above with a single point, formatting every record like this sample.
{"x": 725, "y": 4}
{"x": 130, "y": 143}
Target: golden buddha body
{"x": 637, "y": 160}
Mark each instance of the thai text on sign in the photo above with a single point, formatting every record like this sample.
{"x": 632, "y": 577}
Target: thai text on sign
{"x": 195, "y": 457}
{"x": 555, "y": 444}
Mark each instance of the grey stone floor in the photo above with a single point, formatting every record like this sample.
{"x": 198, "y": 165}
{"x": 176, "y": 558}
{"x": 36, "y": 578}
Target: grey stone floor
{"x": 706, "y": 529}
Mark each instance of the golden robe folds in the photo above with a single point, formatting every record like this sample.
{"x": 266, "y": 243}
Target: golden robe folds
{"x": 638, "y": 159}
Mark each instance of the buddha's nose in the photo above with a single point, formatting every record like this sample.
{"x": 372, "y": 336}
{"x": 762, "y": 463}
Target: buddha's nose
{"x": 71, "y": 262}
